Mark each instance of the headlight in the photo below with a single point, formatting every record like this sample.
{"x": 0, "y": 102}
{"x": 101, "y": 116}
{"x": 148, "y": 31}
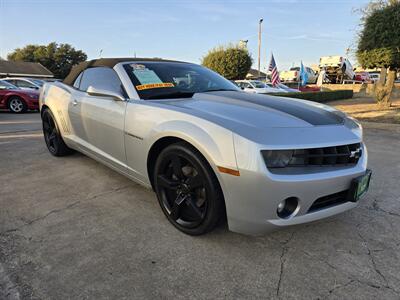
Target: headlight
{"x": 277, "y": 158}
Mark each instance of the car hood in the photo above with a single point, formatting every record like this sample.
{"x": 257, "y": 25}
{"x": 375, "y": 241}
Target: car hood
{"x": 271, "y": 120}
{"x": 235, "y": 109}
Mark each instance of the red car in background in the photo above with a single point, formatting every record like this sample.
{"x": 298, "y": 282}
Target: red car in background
{"x": 363, "y": 76}
{"x": 16, "y": 99}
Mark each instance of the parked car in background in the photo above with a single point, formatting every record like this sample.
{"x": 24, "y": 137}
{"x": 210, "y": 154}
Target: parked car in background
{"x": 279, "y": 87}
{"x": 374, "y": 76}
{"x": 25, "y": 83}
{"x": 257, "y": 87}
{"x": 293, "y": 75}
{"x": 286, "y": 88}
{"x": 16, "y": 99}
{"x": 210, "y": 151}
{"x": 337, "y": 68}
{"x": 362, "y": 76}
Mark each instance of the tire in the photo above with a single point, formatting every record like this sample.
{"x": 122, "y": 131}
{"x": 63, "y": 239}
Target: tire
{"x": 52, "y": 136}
{"x": 17, "y": 105}
{"x": 188, "y": 190}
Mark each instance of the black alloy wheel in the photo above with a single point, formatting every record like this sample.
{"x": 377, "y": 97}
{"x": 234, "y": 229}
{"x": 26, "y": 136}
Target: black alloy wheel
{"x": 188, "y": 190}
{"x": 52, "y": 137}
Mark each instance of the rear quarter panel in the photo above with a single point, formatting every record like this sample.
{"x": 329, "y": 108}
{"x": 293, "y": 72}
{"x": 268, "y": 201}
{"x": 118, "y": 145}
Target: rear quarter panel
{"x": 57, "y": 97}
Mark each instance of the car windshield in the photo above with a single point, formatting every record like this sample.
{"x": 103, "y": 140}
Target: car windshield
{"x": 162, "y": 80}
{"x": 258, "y": 84}
{"x": 7, "y": 86}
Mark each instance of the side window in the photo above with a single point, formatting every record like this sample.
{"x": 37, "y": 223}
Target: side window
{"x": 102, "y": 78}
{"x": 78, "y": 81}
{"x": 22, "y": 83}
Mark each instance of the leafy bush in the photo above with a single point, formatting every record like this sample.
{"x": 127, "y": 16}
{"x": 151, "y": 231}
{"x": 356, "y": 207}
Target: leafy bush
{"x": 379, "y": 41}
{"x": 320, "y": 97}
{"x": 232, "y": 62}
{"x": 378, "y": 45}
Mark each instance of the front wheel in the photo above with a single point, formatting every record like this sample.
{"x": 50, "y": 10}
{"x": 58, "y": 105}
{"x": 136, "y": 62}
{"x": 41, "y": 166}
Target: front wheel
{"x": 188, "y": 190}
{"x": 52, "y": 135}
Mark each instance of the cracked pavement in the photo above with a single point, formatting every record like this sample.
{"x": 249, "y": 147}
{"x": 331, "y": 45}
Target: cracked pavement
{"x": 71, "y": 228}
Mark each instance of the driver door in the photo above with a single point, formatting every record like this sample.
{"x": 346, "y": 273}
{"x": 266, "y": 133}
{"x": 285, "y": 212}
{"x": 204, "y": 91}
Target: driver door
{"x": 98, "y": 121}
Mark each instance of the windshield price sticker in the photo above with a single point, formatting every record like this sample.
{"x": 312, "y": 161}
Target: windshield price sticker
{"x": 154, "y": 86}
{"x": 146, "y": 76}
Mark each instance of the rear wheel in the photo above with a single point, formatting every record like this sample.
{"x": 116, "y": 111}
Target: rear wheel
{"x": 17, "y": 105}
{"x": 188, "y": 190}
{"x": 52, "y": 136}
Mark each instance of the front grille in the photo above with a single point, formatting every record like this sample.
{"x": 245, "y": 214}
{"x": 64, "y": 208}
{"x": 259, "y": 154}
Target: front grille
{"x": 327, "y": 156}
{"x": 329, "y": 201}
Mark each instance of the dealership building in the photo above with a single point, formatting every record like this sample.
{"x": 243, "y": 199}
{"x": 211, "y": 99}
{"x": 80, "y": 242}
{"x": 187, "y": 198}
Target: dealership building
{"x": 23, "y": 69}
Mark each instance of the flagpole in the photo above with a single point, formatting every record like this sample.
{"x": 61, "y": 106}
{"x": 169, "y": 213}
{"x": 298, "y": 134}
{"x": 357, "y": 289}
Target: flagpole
{"x": 298, "y": 84}
{"x": 259, "y": 46}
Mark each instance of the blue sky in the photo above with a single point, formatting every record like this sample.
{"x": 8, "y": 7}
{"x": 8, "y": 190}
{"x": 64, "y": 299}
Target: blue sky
{"x": 183, "y": 30}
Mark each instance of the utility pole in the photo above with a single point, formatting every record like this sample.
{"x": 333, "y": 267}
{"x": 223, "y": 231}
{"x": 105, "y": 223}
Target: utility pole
{"x": 100, "y": 52}
{"x": 259, "y": 46}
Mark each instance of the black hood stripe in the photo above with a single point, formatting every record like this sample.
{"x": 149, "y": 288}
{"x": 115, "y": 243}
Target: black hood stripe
{"x": 310, "y": 114}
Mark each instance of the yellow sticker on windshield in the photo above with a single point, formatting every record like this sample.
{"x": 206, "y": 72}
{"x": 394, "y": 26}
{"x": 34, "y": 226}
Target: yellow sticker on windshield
{"x": 154, "y": 86}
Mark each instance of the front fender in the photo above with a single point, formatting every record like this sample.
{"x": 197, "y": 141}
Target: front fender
{"x": 215, "y": 144}
{"x": 147, "y": 122}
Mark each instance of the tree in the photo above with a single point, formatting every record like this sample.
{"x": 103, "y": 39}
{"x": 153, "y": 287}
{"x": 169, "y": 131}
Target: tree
{"x": 379, "y": 45}
{"x": 58, "y": 58}
{"x": 232, "y": 62}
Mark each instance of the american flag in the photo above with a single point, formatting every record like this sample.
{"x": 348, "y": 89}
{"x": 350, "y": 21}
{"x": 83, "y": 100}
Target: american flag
{"x": 274, "y": 72}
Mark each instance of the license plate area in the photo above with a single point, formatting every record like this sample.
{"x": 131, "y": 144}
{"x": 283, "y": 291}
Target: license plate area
{"x": 359, "y": 186}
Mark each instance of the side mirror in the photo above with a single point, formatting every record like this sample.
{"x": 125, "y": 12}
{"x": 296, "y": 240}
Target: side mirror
{"x": 92, "y": 91}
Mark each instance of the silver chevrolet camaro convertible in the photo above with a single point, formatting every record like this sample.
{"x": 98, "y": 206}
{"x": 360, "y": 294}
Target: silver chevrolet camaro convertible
{"x": 210, "y": 151}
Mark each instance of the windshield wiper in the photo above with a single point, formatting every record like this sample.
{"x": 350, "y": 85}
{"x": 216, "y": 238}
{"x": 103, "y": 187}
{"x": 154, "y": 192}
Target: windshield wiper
{"x": 172, "y": 95}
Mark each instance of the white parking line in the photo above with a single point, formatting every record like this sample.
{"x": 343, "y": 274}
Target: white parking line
{"x": 19, "y": 122}
{"x": 15, "y": 136}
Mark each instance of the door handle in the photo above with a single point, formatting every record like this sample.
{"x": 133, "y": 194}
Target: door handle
{"x": 74, "y": 103}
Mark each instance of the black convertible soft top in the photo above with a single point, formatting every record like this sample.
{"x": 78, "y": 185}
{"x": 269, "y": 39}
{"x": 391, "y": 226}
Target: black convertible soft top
{"x": 103, "y": 62}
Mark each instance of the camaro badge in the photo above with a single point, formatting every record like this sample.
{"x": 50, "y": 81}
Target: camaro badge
{"x": 355, "y": 153}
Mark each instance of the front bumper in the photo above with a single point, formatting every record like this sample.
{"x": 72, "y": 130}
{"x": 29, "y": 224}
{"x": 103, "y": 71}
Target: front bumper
{"x": 252, "y": 198}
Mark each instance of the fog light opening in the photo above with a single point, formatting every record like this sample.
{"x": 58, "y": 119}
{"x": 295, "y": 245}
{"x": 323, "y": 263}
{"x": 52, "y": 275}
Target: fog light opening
{"x": 287, "y": 207}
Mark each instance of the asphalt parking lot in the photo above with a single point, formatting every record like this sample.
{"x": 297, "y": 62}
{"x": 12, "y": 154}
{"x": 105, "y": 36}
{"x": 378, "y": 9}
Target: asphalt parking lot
{"x": 72, "y": 228}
